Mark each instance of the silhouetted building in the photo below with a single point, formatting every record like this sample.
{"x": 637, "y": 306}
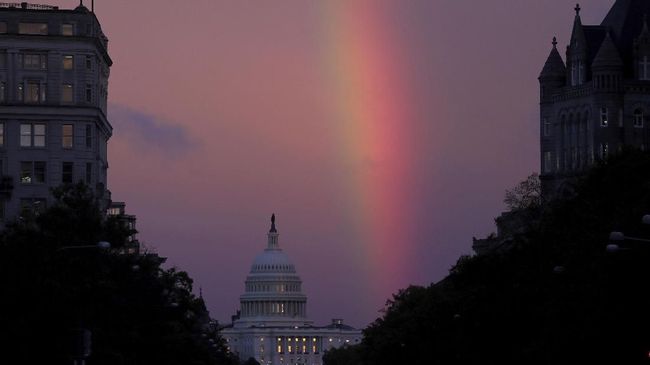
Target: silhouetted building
{"x": 272, "y": 325}
{"x": 599, "y": 99}
{"x": 54, "y": 69}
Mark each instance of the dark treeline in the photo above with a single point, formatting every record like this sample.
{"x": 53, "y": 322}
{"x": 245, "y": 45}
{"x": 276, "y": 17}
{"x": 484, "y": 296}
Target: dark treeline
{"x": 553, "y": 295}
{"x": 136, "y": 311}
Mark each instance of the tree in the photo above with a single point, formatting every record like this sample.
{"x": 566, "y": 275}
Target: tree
{"x": 555, "y": 296}
{"x": 137, "y": 312}
{"x": 525, "y": 195}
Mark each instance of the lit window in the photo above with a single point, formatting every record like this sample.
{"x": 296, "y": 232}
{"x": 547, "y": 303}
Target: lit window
{"x": 19, "y": 92}
{"x": 68, "y": 138}
{"x": 32, "y": 135}
{"x": 68, "y": 62}
{"x": 638, "y": 118}
{"x": 32, "y": 172}
{"x": 3, "y": 27}
{"x": 67, "y": 29}
{"x": 32, "y": 28}
{"x": 604, "y": 117}
{"x": 34, "y": 61}
{"x": 67, "y": 93}
{"x": 67, "y": 172}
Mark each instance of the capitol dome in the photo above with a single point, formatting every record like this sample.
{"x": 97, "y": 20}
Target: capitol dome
{"x": 273, "y": 290}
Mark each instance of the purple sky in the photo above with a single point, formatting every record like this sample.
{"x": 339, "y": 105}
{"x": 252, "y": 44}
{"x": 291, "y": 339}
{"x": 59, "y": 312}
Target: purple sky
{"x": 222, "y": 115}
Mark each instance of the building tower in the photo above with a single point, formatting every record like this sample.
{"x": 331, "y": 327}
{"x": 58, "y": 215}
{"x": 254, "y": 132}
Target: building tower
{"x": 272, "y": 325}
{"x": 599, "y": 100}
{"x": 54, "y": 69}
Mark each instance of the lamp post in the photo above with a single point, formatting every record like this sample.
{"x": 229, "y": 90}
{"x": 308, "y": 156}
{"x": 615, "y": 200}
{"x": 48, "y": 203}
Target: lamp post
{"x": 616, "y": 238}
{"x": 81, "y": 338}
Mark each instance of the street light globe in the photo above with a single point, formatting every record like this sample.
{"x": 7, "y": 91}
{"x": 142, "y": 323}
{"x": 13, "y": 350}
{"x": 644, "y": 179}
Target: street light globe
{"x": 616, "y": 236}
{"x": 104, "y": 245}
{"x": 646, "y": 219}
{"x": 612, "y": 248}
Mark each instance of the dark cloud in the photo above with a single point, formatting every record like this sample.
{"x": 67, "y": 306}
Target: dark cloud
{"x": 149, "y": 132}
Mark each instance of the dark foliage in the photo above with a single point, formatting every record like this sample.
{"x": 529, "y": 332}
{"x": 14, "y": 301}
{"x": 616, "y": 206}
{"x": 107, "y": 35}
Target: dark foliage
{"x": 554, "y": 297}
{"x": 138, "y": 313}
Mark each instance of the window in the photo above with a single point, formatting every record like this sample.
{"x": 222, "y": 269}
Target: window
{"x": 67, "y": 172}
{"x": 32, "y": 172}
{"x": 32, "y": 205}
{"x": 35, "y": 92}
{"x": 32, "y": 135}
{"x": 89, "y": 63}
{"x": 67, "y": 29}
{"x": 68, "y": 137}
{"x": 3, "y": 92}
{"x": 34, "y": 61}
{"x": 89, "y": 136}
{"x": 547, "y": 127}
{"x": 2, "y": 137}
{"x": 638, "y": 118}
{"x": 32, "y": 28}
{"x": 89, "y": 173}
{"x": 67, "y": 93}
{"x": 3, "y": 59}
{"x": 644, "y": 68}
{"x": 89, "y": 93}
{"x": 604, "y": 117}
{"x": 68, "y": 62}
{"x": 548, "y": 162}
{"x": 604, "y": 150}
{"x": 3, "y": 27}
{"x": 20, "y": 92}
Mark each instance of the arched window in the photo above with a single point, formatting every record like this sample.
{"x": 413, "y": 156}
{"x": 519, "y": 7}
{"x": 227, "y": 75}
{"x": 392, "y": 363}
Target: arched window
{"x": 638, "y": 118}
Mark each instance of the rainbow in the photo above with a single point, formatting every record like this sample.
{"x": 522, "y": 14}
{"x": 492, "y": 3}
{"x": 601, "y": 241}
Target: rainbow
{"x": 362, "y": 66}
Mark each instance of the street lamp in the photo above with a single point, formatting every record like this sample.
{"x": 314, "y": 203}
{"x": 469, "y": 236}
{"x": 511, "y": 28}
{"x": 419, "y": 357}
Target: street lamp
{"x": 615, "y": 238}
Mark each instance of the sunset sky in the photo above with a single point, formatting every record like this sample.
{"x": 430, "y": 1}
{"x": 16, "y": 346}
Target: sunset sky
{"x": 382, "y": 134}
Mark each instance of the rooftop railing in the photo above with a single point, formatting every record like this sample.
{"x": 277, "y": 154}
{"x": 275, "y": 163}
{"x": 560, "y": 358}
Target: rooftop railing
{"x": 28, "y": 6}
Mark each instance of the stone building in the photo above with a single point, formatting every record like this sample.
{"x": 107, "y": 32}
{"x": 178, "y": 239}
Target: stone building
{"x": 54, "y": 70}
{"x": 272, "y": 324}
{"x": 597, "y": 99}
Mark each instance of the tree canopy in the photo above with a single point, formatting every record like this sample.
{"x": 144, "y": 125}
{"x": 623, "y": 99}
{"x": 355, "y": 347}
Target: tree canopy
{"x": 556, "y": 296}
{"x": 136, "y": 311}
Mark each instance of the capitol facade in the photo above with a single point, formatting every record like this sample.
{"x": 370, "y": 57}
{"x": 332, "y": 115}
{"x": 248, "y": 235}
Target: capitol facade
{"x": 272, "y": 324}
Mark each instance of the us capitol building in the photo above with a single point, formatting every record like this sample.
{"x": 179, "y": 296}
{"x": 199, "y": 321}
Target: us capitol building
{"x": 272, "y": 325}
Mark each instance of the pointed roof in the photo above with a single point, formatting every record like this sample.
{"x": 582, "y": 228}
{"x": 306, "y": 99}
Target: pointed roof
{"x": 554, "y": 66}
{"x": 608, "y": 55}
{"x": 625, "y": 20}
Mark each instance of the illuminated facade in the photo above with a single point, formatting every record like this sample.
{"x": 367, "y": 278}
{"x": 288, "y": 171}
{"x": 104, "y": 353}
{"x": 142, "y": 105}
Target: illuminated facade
{"x": 272, "y": 325}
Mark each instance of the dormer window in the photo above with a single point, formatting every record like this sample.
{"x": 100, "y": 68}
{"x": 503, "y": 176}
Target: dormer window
{"x": 32, "y": 28}
{"x": 638, "y": 118}
{"x": 604, "y": 117}
{"x": 644, "y": 68}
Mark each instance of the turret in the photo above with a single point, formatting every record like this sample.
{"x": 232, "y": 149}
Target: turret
{"x": 576, "y": 54}
{"x": 553, "y": 74}
{"x": 642, "y": 53}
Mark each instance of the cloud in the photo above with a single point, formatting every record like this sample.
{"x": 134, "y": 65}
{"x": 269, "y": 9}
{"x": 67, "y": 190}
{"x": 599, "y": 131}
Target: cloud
{"x": 148, "y": 132}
